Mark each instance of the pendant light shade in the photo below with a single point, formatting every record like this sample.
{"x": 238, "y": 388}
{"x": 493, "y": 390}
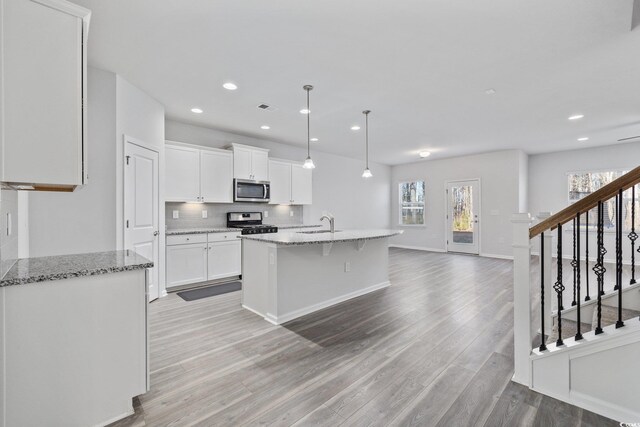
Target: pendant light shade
{"x": 367, "y": 172}
{"x": 308, "y": 163}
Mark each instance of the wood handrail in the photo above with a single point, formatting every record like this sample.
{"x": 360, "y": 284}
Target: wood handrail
{"x": 625, "y": 182}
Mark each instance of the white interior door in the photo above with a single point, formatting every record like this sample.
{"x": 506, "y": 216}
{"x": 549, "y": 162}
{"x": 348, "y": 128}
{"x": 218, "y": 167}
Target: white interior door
{"x": 463, "y": 216}
{"x": 141, "y": 207}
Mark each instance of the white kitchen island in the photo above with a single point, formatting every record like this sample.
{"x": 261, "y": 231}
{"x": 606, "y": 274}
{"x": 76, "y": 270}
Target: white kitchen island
{"x": 286, "y": 275}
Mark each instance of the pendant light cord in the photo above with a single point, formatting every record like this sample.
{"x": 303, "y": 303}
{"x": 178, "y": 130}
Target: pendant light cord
{"x": 308, "y": 125}
{"x": 366, "y": 133}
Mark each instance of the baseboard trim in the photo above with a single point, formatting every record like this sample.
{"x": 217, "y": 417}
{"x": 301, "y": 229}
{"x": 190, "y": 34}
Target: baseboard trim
{"x": 485, "y": 255}
{"x": 287, "y": 317}
{"x": 118, "y": 418}
{"x": 417, "y": 248}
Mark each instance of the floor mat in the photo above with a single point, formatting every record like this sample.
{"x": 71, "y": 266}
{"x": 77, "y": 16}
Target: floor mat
{"x": 210, "y": 291}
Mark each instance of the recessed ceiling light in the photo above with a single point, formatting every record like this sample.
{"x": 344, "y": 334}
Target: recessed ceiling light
{"x": 196, "y": 110}
{"x": 584, "y": 138}
{"x": 305, "y": 111}
{"x": 230, "y": 86}
{"x": 355, "y": 127}
{"x": 314, "y": 139}
{"x": 265, "y": 127}
{"x": 490, "y": 91}
{"x": 576, "y": 117}
{"x": 424, "y": 154}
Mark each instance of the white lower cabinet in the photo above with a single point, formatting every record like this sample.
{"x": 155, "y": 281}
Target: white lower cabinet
{"x": 195, "y": 258}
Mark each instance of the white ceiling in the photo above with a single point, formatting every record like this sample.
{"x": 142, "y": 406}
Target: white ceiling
{"x": 422, "y": 67}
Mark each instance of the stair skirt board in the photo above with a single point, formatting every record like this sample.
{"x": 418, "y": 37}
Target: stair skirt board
{"x": 582, "y": 373}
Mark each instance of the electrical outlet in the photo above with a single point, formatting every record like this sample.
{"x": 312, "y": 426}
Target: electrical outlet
{"x": 176, "y": 214}
{"x": 290, "y": 213}
{"x": 205, "y": 213}
{"x": 265, "y": 214}
{"x": 347, "y": 267}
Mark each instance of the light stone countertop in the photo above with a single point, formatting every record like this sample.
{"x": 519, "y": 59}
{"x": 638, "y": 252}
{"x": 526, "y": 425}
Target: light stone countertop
{"x": 44, "y": 269}
{"x": 297, "y": 238}
{"x": 182, "y": 231}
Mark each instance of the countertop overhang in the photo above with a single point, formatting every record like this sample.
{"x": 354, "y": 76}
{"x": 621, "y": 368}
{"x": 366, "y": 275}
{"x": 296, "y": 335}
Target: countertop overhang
{"x": 297, "y": 238}
{"x": 44, "y": 269}
{"x": 181, "y": 231}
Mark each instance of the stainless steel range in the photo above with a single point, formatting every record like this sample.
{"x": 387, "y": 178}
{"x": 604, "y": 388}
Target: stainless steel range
{"x": 249, "y": 223}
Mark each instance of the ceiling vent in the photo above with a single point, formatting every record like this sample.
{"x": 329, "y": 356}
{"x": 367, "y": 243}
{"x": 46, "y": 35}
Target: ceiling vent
{"x": 266, "y": 107}
{"x": 629, "y": 138}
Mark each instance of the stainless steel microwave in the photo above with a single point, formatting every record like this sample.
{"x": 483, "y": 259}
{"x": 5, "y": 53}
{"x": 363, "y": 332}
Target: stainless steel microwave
{"x": 245, "y": 190}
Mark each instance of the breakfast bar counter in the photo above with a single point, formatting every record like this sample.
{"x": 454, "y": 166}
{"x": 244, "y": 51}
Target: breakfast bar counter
{"x": 287, "y": 275}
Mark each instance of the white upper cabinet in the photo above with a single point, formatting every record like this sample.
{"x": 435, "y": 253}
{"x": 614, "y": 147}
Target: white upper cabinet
{"x": 198, "y": 175}
{"x": 280, "y": 178}
{"x": 216, "y": 176}
{"x": 301, "y": 185}
{"x": 291, "y": 184}
{"x": 250, "y": 162}
{"x": 182, "y": 174}
{"x": 43, "y": 70}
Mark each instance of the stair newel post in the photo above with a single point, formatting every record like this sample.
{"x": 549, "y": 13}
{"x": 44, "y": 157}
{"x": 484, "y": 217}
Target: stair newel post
{"x": 559, "y": 287}
{"x": 543, "y": 346}
{"x": 633, "y": 236}
{"x": 619, "y": 227}
{"x": 522, "y": 328}
{"x": 577, "y": 270}
{"x": 574, "y": 264}
{"x": 599, "y": 269}
{"x": 586, "y": 254}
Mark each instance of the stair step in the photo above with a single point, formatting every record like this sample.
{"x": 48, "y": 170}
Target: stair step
{"x": 610, "y": 315}
{"x": 569, "y": 330}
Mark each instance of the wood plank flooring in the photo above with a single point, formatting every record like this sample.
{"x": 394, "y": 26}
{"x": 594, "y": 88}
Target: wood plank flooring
{"x": 434, "y": 349}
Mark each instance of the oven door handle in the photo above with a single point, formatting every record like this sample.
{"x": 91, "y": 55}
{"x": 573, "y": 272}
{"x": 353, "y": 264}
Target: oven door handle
{"x": 264, "y": 186}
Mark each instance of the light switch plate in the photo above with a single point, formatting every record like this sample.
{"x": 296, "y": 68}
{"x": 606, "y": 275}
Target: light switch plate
{"x": 205, "y": 213}
{"x": 265, "y": 214}
{"x": 176, "y": 214}
{"x": 290, "y": 213}
{"x": 347, "y": 267}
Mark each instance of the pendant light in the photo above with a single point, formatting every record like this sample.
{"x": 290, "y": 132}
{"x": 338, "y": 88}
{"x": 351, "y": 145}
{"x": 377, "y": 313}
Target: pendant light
{"x": 367, "y": 173}
{"x": 308, "y": 163}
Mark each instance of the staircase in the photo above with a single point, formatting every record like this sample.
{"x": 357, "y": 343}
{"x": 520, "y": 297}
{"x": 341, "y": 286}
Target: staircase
{"x": 583, "y": 314}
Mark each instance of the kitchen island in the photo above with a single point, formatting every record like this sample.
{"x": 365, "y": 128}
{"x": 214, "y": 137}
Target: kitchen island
{"x": 290, "y": 274}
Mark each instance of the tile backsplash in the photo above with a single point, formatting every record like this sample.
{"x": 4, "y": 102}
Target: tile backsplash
{"x": 190, "y": 214}
{"x": 8, "y": 229}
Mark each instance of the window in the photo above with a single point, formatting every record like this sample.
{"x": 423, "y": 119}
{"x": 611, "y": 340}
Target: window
{"x": 411, "y": 202}
{"x": 581, "y": 184}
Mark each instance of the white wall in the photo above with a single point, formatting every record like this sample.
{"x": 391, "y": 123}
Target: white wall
{"x": 549, "y": 187}
{"x": 500, "y": 175}
{"x": 337, "y": 183}
{"x": 85, "y": 220}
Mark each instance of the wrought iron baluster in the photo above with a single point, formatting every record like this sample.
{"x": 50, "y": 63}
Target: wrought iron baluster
{"x": 599, "y": 269}
{"x": 559, "y": 287}
{"x": 543, "y": 346}
{"x": 574, "y": 264}
{"x": 586, "y": 254}
{"x": 619, "y": 226}
{"x": 577, "y": 289}
{"x": 633, "y": 236}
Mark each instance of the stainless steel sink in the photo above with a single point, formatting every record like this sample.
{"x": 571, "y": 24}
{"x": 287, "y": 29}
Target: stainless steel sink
{"x": 318, "y": 231}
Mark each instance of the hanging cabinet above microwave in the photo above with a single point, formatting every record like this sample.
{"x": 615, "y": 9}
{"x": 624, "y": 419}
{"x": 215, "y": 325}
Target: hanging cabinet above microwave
{"x": 44, "y": 119}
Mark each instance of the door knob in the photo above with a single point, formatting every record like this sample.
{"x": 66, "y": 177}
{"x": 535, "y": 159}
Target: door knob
{"x": 155, "y": 233}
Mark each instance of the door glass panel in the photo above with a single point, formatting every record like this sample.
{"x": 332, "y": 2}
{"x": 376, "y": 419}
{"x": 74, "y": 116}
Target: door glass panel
{"x": 462, "y": 214}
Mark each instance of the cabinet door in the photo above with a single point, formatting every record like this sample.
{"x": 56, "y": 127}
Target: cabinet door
{"x": 301, "y": 185}
{"x": 242, "y": 163}
{"x": 216, "y": 177}
{"x": 186, "y": 264}
{"x": 224, "y": 259}
{"x": 260, "y": 165}
{"x": 280, "y": 177}
{"x": 182, "y": 174}
{"x": 43, "y": 70}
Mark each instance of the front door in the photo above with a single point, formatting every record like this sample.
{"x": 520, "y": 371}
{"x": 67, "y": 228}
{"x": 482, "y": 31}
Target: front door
{"x": 141, "y": 207}
{"x": 463, "y": 213}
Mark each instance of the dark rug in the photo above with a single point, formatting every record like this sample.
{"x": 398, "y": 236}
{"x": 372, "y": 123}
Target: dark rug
{"x": 210, "y": 291}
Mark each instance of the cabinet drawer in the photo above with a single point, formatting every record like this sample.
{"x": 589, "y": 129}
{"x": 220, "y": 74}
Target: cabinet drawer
{"x": 224, "y": 237}
{"x": 183, "y": 239}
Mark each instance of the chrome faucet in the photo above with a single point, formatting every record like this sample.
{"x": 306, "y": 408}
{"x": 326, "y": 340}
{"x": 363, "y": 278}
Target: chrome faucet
{"x": 331, "y": 221}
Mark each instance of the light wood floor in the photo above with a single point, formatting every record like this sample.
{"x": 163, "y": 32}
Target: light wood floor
{"x": 435, "y": 348}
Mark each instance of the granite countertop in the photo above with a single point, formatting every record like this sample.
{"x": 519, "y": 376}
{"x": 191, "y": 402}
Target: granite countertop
{"x": 44, "y": 269}
{"x": 181, "y": 231}
{"x": 297, "y": 238}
